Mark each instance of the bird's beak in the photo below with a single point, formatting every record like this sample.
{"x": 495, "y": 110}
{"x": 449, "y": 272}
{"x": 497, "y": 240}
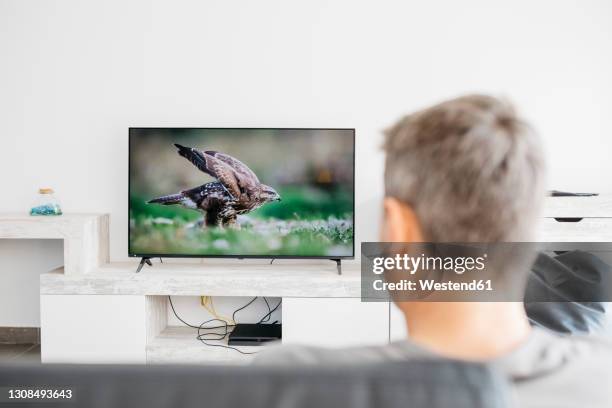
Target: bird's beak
{"x": 278, "y": 198}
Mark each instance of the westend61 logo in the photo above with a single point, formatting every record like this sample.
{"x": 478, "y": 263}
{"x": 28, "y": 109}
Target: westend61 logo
{"x": 400, "y": 269}
{"x": 485, "y": 272}
{"x": 433, "y": 271}
{"x": 414, "y": 264}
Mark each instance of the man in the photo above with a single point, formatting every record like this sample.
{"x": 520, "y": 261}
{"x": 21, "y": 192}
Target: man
{"x": 470, "y": 170}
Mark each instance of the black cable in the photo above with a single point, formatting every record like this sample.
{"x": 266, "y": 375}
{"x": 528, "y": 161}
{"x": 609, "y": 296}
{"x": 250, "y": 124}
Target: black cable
{"x": 220, "y": 337}
{"x": 204, "y": 337}
{"x": 270, "y": 312}
{"x": 243, "y": 307}
{"x": 177, "y": 316}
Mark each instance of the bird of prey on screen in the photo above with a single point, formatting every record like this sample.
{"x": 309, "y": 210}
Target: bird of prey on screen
{"x": 236, "y": 191}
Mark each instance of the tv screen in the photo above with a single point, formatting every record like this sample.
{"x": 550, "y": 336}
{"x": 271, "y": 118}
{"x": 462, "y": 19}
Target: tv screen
{"x": 236, "y": 192}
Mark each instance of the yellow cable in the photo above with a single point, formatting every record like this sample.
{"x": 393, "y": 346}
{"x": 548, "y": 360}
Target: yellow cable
{"x": 207, "y": 303}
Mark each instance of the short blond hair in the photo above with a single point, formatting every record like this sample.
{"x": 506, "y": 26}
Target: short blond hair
{"x": 470, "y": 168}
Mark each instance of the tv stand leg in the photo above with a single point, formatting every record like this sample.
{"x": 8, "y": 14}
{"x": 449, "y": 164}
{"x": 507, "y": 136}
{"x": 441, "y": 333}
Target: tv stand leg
{"x": 143, "y": 261}
{"x": 338, "y": 265}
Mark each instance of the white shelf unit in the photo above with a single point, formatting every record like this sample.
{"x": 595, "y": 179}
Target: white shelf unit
{"x": 327, "y": 322}
{"x": 85, "y": 236}
{"x": 284, "y": 278}
{"x": 576, "y": 219}
{"x": 315, "y": 300}
{"x": 179, "y": 345}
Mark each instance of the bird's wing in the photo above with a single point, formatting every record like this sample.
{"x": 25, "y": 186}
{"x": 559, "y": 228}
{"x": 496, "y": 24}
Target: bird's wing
{"x": 214, "y": 167}
{"x": 236, "y": 164}
{"x": 214, "y": 190}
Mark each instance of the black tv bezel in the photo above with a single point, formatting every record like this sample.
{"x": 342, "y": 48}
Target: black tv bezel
{"x": 156, "y": 255}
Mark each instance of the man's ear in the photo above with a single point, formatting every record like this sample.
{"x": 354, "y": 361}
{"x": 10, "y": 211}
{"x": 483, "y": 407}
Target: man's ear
{"x": 401, "y": 223}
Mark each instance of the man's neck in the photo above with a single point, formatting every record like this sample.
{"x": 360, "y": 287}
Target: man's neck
{"x": 468, "y": 330}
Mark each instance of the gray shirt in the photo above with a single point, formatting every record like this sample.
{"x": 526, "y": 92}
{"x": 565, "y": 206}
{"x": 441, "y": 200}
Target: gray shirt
{"x": 547, "y": 370}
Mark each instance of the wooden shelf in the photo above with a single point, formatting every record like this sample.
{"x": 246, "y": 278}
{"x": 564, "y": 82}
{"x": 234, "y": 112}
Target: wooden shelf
{"x": 85, "y": 236}
{"x": 284, "y": 278}
{"x": 579, "y": 207}
{"x": 576, "y": 219}
{"x": 179, "y": 345}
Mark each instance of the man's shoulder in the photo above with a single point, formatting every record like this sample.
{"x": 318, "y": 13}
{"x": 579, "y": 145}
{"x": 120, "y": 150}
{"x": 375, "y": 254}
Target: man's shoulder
{"x": 543, "y": 353}
{"x": 577, "y": 353}
{"x": 548, "y": 370}
{"x": 551, "y": 348}
{"x": 564, "y": 371}
{"x": 296, "y": 354}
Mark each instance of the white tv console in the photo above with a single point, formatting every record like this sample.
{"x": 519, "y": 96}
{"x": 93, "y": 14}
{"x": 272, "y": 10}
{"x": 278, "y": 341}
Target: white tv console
{"x": 113, "y": 314}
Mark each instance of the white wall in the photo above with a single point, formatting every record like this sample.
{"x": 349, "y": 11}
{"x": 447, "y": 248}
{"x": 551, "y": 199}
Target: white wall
{"x": 75, "y": 75}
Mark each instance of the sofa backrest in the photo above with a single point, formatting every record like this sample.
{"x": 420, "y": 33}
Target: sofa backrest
{"x": 415, "y": 384}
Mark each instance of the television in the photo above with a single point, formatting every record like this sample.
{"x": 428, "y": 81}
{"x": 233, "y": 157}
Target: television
{"x": 242, "y": 193}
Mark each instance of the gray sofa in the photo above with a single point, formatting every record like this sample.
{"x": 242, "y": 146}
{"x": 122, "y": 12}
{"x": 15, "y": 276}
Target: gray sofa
{"x": 417, "y": 384}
